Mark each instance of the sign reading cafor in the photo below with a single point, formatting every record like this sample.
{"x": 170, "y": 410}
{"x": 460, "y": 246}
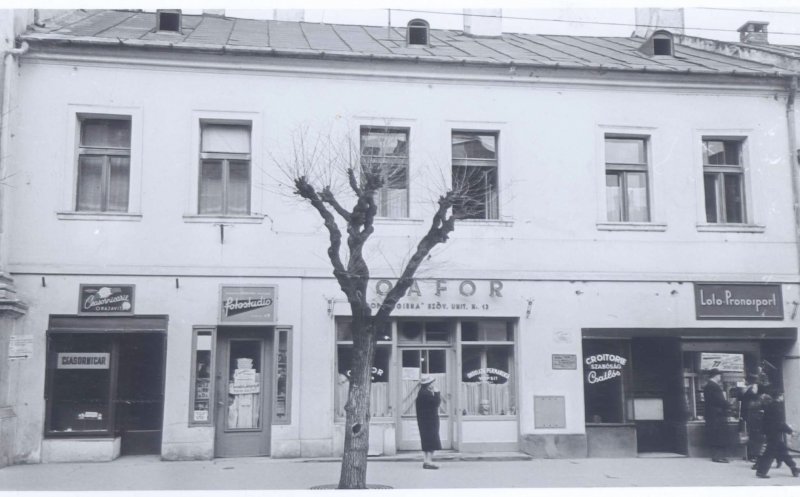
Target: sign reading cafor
{"x": 247, "y": 304}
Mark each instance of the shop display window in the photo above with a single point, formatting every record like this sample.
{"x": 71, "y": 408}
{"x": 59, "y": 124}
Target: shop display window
{"x": 280, "y": 411}
{"x": 607, "y": 381}
{"x": 487, "y": 368}
{"x": 244, "y": 385}
{"x": 425, "y": 332}
{"x": 202, "y": 388}
{"x": 695, "y": 365}
{"x": 380, "y": 397}
{"x": 79, "y": 394}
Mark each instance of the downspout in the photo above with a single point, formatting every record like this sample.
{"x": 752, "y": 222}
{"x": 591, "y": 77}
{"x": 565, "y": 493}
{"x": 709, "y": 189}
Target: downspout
{"x": 791, "y": 117}
{"x": 6, "y": 70}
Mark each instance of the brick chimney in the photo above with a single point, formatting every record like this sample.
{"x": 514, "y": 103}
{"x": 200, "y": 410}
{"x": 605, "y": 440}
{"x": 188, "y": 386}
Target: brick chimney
{"x": 754, "y": 32}
{"x": 650, "y": 20}
{"x": 483, "y": 22}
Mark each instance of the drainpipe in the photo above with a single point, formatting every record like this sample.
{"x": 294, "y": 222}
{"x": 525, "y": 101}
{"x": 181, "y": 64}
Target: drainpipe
{"x": 6, "y": 70}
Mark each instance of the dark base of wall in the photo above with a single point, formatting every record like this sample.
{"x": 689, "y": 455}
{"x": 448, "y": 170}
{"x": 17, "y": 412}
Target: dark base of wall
{"x": 612, "y": 441}
{"x": 554, "y": 446}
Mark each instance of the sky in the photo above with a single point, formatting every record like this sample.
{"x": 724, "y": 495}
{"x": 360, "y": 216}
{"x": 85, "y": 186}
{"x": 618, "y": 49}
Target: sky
{"x": 708, "y": 19}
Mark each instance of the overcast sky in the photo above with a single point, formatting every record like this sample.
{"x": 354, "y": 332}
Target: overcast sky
{"x": 709, "y": 19}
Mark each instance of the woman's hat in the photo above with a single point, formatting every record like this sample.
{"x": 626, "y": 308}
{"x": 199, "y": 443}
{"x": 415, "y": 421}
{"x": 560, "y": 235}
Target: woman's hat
{"x": 426, "y": 380}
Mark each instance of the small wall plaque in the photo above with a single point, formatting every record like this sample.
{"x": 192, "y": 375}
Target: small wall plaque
{"x": 565, "y": 361}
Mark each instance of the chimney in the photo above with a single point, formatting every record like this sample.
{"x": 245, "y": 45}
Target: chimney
{"x": 754, "y": 32}
{"x": 291, "y": 15}
{"x": 650, "y": 20}
{"x": 483, "y": 22}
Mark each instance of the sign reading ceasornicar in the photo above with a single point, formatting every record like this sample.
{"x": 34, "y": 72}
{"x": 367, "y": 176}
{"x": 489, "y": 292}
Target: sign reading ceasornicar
{"x": 112, "y": 299}
{"x": 738, "y": 301}
{"x": 82, "y": 360}
{"x": 247, "y": 304}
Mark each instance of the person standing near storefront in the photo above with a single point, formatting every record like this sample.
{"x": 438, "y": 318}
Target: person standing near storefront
{"x": 753, "y": 413}
{"x": 427, "y": 405}
{"x": 716, "y": 414}
{"x": 774, "y": 429}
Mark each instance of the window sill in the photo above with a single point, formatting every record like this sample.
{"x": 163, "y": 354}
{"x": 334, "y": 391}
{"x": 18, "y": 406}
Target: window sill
{"x": 482, "y": 417}
{"x": 632, "y": 226}
{"x": 397, "y": 220}
{"x": 98, "y": 216}
{"x": 731, "y": 228}
{"x": 485, "y": 222}
{"x": 196, "y": 218}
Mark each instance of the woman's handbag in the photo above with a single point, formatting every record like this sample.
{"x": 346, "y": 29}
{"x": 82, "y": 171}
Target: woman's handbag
{"x": 743, "y": 437}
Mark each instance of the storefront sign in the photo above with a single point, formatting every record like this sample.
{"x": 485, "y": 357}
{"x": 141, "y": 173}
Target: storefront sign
{"x": 604, "y": 367}
{"x": 82, "y": 360}
{"x": 20, "y": 346}
{"x": 243, "y": 389}
{"x": 723, "y": 362}
{"x": 465, "y": 288}
{"x": 247, "y": 304}
{"x": 565, "y": 361}
{"x": 489, "y": 375}
{"x": 738, "y": 301}
{"x": 200, "y": 416}
{"x": 110, "y": 299}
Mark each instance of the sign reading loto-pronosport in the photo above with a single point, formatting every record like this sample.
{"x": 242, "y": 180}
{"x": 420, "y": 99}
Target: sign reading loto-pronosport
{"x": 738, "y": 301}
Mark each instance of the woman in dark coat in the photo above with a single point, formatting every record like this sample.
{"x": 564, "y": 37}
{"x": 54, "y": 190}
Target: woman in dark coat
{"x": 716, "y": 414}
{"x": 774, "y": 428}
{"x": 427, "y": 405}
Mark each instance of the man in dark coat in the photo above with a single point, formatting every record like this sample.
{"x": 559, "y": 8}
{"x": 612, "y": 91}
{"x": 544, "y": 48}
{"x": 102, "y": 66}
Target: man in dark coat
{"x": 716, "y": 414}
{"x": 774, "y": 429}
{"x": 427, "y": 405}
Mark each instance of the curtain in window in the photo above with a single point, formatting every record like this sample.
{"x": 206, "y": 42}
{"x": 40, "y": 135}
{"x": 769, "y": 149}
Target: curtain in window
{"x": 118, "y": 186}
{"x": 239, "y": 188}
{"x": 211, "y": 187}
{"x": 226, "y": 138}
{"x": 637, "y": 197}
{"x": 90, "y": 183}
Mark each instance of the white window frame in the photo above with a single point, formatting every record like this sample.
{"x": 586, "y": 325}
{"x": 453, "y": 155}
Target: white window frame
{"x": 750, "y": 222}
{"x": 652, "y": 136}
{"x": 505, "y": 176}
{"x": 69, "y": 197}
{"x": 257, "y": 174}
{"x": 395, "y": 129}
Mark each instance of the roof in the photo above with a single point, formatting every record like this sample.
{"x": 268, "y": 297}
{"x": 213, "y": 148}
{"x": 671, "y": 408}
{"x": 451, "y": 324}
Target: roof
{"x": 215, "y": 33}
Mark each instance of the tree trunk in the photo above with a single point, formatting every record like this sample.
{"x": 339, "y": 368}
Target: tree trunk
{"x": 357, "y": 408}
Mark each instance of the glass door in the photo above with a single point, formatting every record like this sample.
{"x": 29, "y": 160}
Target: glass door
{"x": 415, "y": 363}
{"x": 243, "y": 418}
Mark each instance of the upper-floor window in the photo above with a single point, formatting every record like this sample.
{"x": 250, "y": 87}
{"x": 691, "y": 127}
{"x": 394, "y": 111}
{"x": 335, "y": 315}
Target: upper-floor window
{"x": 475, "y": 174}
{"x": 385, "y": 150}
{"x": 626, "y": 179}
{"x": 723, "y": 180}
{"x": 104, "y": 162}
{"x": 224, "y": 169}
{"x": 418, "y": 32}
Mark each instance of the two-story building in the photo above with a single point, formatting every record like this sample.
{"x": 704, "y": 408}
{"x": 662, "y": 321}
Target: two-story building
{"x": 636, "y": 228}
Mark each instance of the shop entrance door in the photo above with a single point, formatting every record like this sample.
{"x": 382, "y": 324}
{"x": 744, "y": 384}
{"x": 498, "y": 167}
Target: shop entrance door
{"x": 243, "y": 412}
{"x": 416, "y": 362}
{"x": 139, "y": 401}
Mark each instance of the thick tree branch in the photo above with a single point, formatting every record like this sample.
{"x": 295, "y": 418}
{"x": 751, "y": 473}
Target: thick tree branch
{"x": 441, "y": 227}
{"x": 327, "y": 196}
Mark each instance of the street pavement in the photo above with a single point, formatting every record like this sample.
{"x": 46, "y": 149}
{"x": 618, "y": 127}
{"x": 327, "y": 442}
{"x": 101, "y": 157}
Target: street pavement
{"x": 139, "y": 473}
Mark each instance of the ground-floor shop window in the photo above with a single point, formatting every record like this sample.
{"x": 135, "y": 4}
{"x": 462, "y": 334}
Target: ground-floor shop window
{"x": 380, "y": 398}
{"x": 607, "y": 381}
{"x": 280, "y": 412}
{"x": 487, "y": 368}
{"x": 201, "y": 373}
{"x": 697, "y": 364}
{"x": 80, "y": 388}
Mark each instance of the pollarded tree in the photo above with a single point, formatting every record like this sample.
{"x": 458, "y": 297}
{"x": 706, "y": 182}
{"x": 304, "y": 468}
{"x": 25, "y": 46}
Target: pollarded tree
{"x": 367, "y": 176}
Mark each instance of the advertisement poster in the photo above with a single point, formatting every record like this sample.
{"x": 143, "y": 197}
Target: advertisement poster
{"x": 723, "y": 362}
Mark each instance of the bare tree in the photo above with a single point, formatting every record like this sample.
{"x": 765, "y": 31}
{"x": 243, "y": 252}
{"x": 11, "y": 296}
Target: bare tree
{"x": 323, "y": 173}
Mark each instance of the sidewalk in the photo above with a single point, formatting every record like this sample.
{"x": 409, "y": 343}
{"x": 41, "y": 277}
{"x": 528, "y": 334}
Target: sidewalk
{"x": 403, "y": 472}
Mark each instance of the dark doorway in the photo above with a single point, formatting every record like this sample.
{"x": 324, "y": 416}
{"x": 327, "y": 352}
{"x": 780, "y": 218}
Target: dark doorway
{"x": 658, "y": 394}
{"x": 140, "y": 393}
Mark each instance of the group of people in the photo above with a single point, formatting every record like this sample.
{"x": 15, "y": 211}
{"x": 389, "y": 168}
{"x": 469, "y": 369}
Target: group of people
{"x": 763, "y": 412}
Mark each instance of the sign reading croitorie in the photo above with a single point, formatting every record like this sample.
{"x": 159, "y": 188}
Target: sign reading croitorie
{"x": 247, "y": 304}
{"x": 738, "y": 301}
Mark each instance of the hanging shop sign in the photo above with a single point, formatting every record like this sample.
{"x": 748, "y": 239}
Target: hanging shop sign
{"x": 82, "y": 360}
{"x": 723, "y": 362}
{"x": 604, "y": 367}
{"x": 106, "y": 299}
{"x": 738, "y": 301}
{"x": 247, "y": 304}
{"x": 565, "y": 361}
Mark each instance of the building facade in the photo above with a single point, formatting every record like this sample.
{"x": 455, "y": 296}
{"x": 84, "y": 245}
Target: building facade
{"x": 632, "y": 227}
